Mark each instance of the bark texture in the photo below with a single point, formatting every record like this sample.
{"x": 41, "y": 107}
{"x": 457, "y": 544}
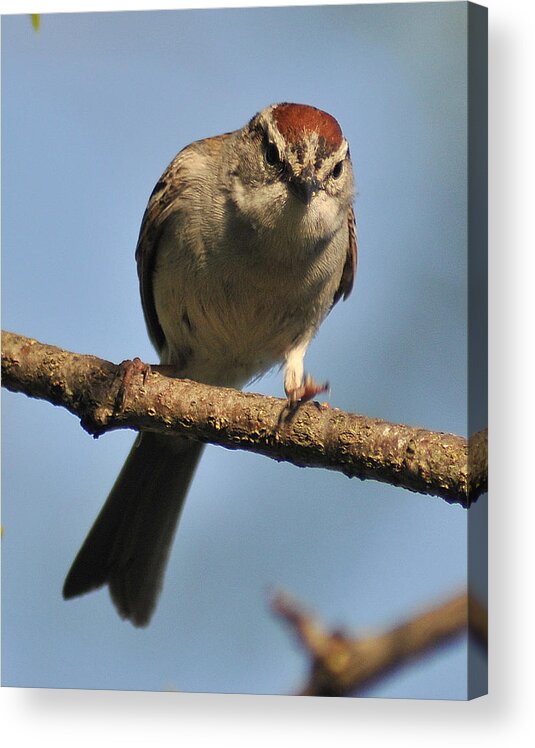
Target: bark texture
{"x": 312, "y": 435}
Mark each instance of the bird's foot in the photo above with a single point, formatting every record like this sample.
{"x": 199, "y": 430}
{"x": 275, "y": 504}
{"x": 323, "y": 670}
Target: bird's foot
{"x": 126, "y": 371}
{"x": 306, "y": 391}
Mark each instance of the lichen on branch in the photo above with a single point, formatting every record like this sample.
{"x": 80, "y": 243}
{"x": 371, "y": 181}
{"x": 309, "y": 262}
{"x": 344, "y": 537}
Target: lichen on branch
{"x": 313, "y": 435}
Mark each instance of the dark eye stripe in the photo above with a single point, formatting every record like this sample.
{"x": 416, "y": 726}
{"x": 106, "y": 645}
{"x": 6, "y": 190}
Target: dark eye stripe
{"x": 272, "y": 154}
{"x": 338, "y": 169}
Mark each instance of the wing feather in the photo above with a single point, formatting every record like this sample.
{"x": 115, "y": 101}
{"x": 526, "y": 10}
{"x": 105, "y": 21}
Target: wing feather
{"x": 171, "y": 186}
{"x": 350, "y": 267}
{"x": 160, "y": 206}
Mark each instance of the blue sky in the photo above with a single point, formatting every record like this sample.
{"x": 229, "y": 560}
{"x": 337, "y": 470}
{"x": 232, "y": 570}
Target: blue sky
{"x": 94, "y": 107}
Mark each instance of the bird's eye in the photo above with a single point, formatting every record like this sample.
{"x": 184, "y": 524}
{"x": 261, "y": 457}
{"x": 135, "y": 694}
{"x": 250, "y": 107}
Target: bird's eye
{"x": 272, "y": 154}
{"x": 338, "y": 169}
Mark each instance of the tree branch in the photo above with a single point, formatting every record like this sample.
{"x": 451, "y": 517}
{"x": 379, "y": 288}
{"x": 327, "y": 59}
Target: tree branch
{"x": 342, "y": 665}
{"x": 314, "y": 435}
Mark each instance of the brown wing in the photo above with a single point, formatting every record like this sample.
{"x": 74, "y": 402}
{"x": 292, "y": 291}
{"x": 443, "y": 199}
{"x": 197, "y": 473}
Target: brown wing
{"x": 162, "y": 204}
{"x": 350, "y": 267}
{"x": 159, "y": 207}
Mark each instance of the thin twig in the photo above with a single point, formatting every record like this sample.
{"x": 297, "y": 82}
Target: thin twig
{"x": 342, "y": 665}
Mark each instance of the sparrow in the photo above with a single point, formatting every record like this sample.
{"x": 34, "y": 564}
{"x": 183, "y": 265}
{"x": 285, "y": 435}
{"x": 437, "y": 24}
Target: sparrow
{"x": 247, "y": 242}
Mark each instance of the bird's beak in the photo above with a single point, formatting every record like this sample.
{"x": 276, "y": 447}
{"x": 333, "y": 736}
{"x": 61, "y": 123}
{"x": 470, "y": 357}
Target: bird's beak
{"x": 304, "y": 186}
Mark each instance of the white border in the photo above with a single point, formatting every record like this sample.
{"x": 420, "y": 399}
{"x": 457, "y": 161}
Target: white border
{"x": 30, "y": 717}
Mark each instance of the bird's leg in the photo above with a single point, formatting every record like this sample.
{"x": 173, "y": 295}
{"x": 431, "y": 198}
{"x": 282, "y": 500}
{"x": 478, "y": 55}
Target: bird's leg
{"x": 300, "y": 387}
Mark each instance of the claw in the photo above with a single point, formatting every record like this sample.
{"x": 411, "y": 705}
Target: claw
{"x": 126, "y": 371}
{"x": 307, "y": 391}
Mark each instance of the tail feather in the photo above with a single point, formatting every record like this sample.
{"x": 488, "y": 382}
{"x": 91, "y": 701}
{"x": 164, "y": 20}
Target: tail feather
{"x": 129, "y": 543}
